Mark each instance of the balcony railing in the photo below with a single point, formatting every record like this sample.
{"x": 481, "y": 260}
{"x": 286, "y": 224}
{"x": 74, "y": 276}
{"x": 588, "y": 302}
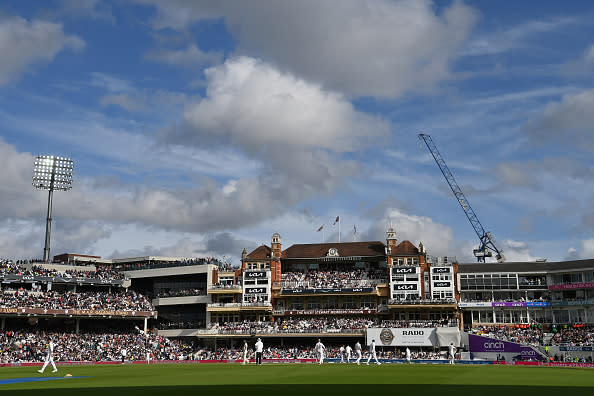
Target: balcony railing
{"x": 395, "y": 301}
{"x": 238, "y": 305}
{"x": 327, "y": 311}
{"x": 347, "y": 284}
{"x": 224, "y": 287}
{"x": 565, "y": 303}
{"x": 288, "y": 331}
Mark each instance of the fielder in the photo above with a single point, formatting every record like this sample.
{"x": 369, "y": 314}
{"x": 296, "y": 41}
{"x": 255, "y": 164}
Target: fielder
{"x": 452, "y": 353}
{"x": 348, "y": 351}
{"x": 245, "y": 352}
{"x": 49, "y": 357}
{"x": 320, "y": 348}
{"x": 358, "y": 351}
{"x": 407, "y": 355}
{"x": 372, "y": 353}
{"x": 341, "y": 351}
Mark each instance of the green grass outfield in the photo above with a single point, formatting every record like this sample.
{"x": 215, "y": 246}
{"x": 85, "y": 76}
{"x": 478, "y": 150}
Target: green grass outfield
{"x": 305, "y": 380}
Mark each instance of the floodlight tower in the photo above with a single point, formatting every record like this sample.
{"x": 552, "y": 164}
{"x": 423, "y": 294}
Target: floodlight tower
{"x": 51, "y": 173}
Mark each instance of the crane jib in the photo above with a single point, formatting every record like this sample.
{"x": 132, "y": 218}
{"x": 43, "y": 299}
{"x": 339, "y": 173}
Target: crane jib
{"x": 487, "y": 243}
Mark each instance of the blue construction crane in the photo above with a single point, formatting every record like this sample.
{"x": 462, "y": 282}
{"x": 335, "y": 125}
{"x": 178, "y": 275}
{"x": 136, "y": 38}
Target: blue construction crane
{"x": 487, "y": 246}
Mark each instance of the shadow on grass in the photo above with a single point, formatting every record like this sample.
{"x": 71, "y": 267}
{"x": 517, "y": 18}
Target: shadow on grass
{"x": 309, "y": 390}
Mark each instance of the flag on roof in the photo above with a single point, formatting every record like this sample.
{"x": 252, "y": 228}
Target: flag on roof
{"x": 337, "y": 220}
{"x": 320, "y": 229}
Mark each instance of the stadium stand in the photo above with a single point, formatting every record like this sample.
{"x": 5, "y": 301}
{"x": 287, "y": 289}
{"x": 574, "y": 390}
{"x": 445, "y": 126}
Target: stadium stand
{"x": 100, "y": 301}
{"x": 203, "y": 307}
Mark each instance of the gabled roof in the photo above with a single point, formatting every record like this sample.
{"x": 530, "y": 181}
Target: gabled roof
{"x": 345, "y": 249}
{"x": 262, "y": 252}
{"x": 405, "y": 248}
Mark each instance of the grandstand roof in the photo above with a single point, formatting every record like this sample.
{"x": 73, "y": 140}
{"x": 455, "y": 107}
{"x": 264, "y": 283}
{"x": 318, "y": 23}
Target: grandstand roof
{"x": 573, "y": 265}
{"x": 262, "y": 252}
{"x": 405, "y": 248}
{"x": 345, "y": 249}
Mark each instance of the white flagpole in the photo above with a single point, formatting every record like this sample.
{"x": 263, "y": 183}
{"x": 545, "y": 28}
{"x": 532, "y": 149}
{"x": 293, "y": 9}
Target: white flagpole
{"x": 339, "y": 230}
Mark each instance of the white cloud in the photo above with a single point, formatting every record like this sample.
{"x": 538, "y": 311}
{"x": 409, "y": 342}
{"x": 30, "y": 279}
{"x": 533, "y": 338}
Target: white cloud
{"x": 517, "y": 251}
{"x": 521, "y": 96}
{"x": 94, "y": 9}
{"x": 109, "y": 83}
{"x": 24, "y": 44}
{"x": 123, "y": 93}
{"x": 586, "y": 250}
{"x": 363, "y": 48}
{"x": 296, "y": 129}
{"x": 24, "y": 239}
{"x": 203, "y": 208}
{"x": 581, "y": 66}
{"x": 122, "y": 100}
{"x": 191, "y": 57}
{"x": 437, "y": 238}
{"x": 253, "y": 105}
{"x": 569, "y": 122}
{"x": 515, "y": 175}
{"x": 515, "y": 37}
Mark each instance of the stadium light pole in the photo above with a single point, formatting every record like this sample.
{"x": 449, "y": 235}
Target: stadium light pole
{"x": 51, "y": 173}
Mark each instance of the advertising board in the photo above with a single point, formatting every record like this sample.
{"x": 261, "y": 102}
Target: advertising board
{"x": 401, "y": 336}
{"x": 480, "y": 344}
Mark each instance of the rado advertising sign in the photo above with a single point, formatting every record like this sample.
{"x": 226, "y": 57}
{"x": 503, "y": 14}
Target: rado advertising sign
{"x": 402, "y": 337}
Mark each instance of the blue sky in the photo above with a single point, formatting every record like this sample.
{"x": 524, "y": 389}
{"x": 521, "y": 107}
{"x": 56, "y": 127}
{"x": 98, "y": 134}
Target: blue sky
{"x": 202, "y": 127}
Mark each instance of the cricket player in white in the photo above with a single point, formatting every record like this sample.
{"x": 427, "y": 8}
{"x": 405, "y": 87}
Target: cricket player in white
{"x": 407, "y": 355}
{"x": 259, "y": 349}
{"x": 372, "y": 353}
{"x": 245, "y": 352}
{"x": 452, "y": 352}
{"x": 358, "y": 351}
{"x": 341, "y": 351}
{"x": 49, "y": 357}
{"x": 348, "y": 351}
{"x": 320, "y": 348}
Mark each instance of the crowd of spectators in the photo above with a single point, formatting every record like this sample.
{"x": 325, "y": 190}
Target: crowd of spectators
{"x": 573, "y": 336}
{"x": 308, "y": 352}
{"x": 322, "y": 325}
{"x": 315, "y": 279}
{"x": 154, "y": 264}
{"x": 229, "y": 286}
{"x": 181, "y": 293}
{"x": 28, "y": 346}
{"x": 163, "y": 325}
{"x": 99, "y": 301}
{"x": 520, "y": 334}
{"x": 8, "y": 267}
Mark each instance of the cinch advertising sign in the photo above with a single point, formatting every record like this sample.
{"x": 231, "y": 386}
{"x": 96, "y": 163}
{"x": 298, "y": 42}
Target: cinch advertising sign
{"x": 486, "y": 344}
